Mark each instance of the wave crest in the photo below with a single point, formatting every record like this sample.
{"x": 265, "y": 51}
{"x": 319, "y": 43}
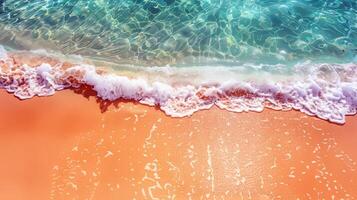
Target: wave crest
{"x": 328, "y": 91}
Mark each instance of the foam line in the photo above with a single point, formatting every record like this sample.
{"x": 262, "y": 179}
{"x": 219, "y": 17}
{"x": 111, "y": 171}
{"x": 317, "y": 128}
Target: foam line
{"x": 328, "y": 91}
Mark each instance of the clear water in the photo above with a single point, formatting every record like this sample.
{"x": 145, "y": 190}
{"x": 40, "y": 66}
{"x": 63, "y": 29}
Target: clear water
{"x": 160, "y": 32}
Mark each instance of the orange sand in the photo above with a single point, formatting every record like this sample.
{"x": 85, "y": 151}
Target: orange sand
{"x": 66, "y": 147}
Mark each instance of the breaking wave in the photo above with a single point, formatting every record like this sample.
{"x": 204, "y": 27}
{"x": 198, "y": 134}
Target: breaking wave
{"x": 328, "y": 91}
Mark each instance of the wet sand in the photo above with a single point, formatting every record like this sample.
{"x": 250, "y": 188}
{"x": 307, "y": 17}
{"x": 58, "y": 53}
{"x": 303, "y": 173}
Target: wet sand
{"x": 72, "y": 146}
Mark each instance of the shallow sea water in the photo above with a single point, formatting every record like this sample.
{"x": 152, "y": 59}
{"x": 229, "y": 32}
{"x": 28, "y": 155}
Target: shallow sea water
{"x": 190, "y": 32}
{"x": 189, "y": 55}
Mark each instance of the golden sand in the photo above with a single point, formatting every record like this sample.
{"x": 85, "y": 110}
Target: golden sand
{"x": 73, "y": 147}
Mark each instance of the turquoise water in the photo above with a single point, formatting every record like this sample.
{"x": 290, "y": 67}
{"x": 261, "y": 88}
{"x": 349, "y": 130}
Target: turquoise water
{"x": 237, "y": 55}
{"x": 182, "y": 31}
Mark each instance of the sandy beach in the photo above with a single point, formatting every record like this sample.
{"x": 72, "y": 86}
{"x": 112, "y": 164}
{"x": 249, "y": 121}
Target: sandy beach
{"x": 74, "y": 146}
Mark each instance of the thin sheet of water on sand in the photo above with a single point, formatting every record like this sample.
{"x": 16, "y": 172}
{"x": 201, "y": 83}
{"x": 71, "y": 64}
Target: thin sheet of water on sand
{"x": 67, "y": 146}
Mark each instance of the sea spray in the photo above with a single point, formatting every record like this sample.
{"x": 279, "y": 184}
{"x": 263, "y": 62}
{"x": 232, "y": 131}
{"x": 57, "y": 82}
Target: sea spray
{"x": 329, "y": 91}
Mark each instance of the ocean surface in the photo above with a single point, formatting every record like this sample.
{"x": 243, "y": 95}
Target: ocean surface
{"x": 184, "y": 56}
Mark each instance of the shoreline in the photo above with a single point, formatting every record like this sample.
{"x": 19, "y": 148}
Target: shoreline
{"x": 318, "y": 94}
{"x": 69, "y": 145}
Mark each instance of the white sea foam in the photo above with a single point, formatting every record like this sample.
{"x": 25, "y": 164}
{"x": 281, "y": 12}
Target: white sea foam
{"x": 328, "y": 91}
